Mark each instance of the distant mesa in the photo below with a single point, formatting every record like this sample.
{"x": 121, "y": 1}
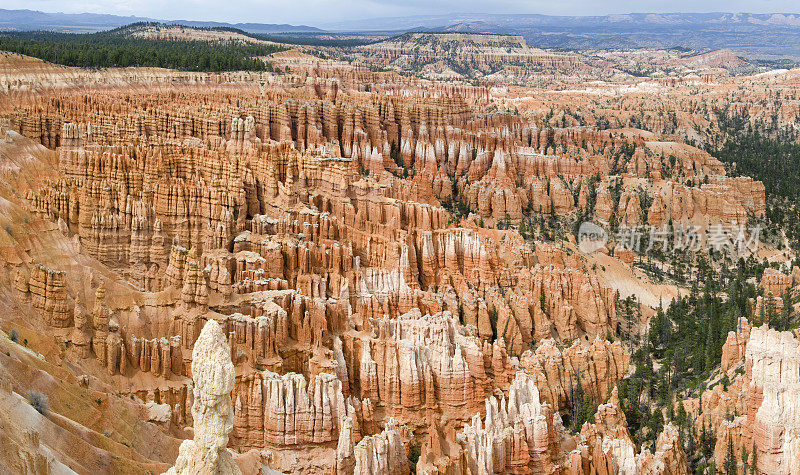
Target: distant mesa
{"x": 723, "y": 58}
{"x": 22, "y": 20}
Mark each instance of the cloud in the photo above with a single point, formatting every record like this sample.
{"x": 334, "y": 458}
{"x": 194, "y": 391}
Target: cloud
{"x": 316, "y": 12}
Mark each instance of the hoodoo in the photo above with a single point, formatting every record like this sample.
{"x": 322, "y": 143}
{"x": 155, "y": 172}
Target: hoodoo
{"x": 213, "y": 376}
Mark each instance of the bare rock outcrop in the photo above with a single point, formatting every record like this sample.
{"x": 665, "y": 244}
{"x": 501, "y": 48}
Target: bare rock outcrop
{"x": 775, "y": 282}
{"x": 733, "y": 350}
{"x": 758, "y": 409}
{"x": 773, "y": 361}
{"x": 606, "y": 447}
{"x": 212, "y": 411}
{"x": 382, "y": 453}
{"x": 517, "y": 435}
{"x": 595, "y": 367}
{"x": 286, "y": 410}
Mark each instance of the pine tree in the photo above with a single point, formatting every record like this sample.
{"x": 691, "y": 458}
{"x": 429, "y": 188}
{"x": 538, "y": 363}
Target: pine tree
{"x": 691, "y": 445}
{"x": 655, "y": 424}
{"x": 729, "y": 465}
{"x": 770, "y": 302}
{"x": 745, "y": 456}
{"x": 681, "y": 415}
{"x": 704, "y": 440}
{"x": 543, "y": 301}
{"x": 709, "y": 346}
{"x": 786, "y": 311}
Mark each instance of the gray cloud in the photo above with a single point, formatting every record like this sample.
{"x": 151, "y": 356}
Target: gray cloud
{"x": 317, "y": 12}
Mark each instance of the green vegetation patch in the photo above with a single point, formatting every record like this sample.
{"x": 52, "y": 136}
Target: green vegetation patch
{"x": 115, "y": 48}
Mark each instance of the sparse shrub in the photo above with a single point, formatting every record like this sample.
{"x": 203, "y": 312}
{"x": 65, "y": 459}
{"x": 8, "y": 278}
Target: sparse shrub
{"x": 13, "y": 335}
{"x": 39, "y": 402}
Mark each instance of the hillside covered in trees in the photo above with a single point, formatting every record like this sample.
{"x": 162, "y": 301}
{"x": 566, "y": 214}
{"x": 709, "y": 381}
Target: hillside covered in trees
{"x": 116, "y": 49}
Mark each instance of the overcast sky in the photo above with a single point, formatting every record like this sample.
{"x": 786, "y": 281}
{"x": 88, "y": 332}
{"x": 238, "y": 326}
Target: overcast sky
{"x": 320, "y": 12}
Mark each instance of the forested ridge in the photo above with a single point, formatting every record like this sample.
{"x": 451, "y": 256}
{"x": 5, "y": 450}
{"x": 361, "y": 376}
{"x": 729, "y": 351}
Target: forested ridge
{"x": 114, "y": 49}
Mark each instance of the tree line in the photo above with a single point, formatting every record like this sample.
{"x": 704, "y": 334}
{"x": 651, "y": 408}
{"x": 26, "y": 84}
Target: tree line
{"x": 111, "y": 49}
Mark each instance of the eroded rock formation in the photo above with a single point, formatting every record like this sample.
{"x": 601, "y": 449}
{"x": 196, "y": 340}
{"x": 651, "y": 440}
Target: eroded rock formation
{"x": 212, "y": 411}
{"x": 757, "y": 410}
{"x": 355, "y": 242}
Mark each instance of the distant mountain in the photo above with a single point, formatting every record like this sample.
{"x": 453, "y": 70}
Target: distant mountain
{"x": 20, "y": 20}
{"x": 649, "y": 20}
{"x": 258, "y": 28}
{"x": 764, "y": 36}
{"x": 770, "y": 36}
